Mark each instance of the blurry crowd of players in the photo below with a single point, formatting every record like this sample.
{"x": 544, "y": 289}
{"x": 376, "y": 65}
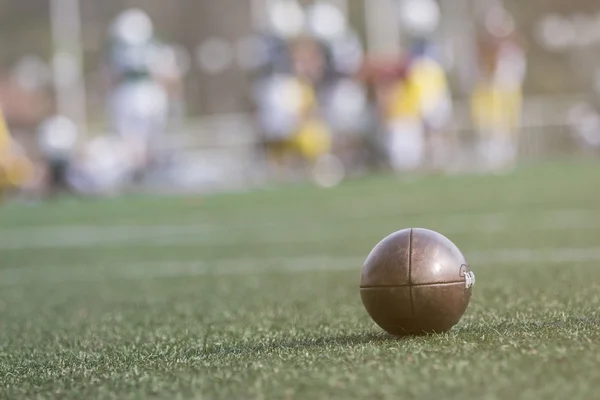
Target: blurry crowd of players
{"x": 145, "y": 95}
{"x": 323, "y": 106}
{"x": 318, "y": 88}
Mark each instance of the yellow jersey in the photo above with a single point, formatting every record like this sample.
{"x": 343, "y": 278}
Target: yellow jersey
{"x": 494, "y": 108}
{"x": 421, "y": 91}
{"x": 4, "y": 134}
{"x": 15, "y": 168}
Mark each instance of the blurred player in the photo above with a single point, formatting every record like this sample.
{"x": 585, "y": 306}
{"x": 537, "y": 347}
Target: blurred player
{"x": 405, "y": 134}
{"x": 104, "y": 166}
{"x": 414, "y": 104}
{"x": 413, "y": 94}
{"x": 288, "y": 103}
{"x": 16, "y": 170}
{"x": 342, "y": 97}
{"x": 301, "y": 136}
{"x": 428, "y": 76}
{"x": 497, "y": 97}
{"x": 57, "y": 140}
{"x": 139, "y": 107}
{"x": 380, "y": 76}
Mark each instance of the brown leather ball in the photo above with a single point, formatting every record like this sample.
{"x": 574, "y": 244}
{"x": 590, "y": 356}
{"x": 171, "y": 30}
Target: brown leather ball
{"x": 416, "y": 281}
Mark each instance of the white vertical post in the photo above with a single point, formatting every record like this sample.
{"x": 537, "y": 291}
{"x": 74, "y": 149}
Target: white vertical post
{"x": 67, "y": 61}
{"x": 383, "y": 27}
{"x": 259, "y": 14}
{"x": 462, "y": 15}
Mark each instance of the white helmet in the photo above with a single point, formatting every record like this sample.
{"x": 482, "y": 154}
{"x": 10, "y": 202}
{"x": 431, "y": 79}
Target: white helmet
{"x": 326, "y": 21}
{"x": 286, "y": 18}
{"x": 419, "y": 17}
{"x": 57, "y": 137}
{"x": 499, "y": 22}
{"x": 132, "y": 26}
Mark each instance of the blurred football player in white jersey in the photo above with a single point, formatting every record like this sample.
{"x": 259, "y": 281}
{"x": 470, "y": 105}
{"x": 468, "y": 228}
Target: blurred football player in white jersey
{"x": 343, "y": 97}
{"x": 58, "y": 138}
{"x": 343, "y": 101}
{"x": 289, "y": 93}
{"x": 101, "y": 166}
{"x": 497, "y": 98}
{"x": 435, "y": 103}
{"x": 138, "y": 104}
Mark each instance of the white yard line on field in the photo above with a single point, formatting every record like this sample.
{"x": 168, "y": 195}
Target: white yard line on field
{"x": 241, "y": 266}
{"x": 81, "y": 236}
{"x": 272, "y": 233}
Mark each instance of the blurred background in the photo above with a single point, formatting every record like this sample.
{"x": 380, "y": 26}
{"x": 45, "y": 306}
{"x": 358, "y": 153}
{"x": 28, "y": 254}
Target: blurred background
{"x": 113, "y": 96}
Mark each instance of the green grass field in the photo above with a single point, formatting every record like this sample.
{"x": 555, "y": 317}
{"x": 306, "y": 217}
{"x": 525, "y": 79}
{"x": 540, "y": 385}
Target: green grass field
{"x": 255, "y": 295}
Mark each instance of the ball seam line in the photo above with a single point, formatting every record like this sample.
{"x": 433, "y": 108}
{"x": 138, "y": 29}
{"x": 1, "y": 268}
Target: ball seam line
{"x": 415, "y": 285}
{"x": 410, "y": 290}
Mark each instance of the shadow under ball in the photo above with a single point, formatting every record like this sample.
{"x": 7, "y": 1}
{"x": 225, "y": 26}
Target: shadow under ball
{"x": 416, "y": 281}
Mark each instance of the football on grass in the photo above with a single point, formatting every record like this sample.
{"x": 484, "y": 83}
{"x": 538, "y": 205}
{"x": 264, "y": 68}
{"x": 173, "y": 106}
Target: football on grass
{"x": 416, "y": 281}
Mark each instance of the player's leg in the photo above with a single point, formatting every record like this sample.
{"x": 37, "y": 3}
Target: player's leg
{"x": 406, "y": 144}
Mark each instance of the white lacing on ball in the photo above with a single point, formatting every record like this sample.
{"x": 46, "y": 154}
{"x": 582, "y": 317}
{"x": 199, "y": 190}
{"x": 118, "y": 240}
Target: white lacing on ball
{"x": 469, "y": 279}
